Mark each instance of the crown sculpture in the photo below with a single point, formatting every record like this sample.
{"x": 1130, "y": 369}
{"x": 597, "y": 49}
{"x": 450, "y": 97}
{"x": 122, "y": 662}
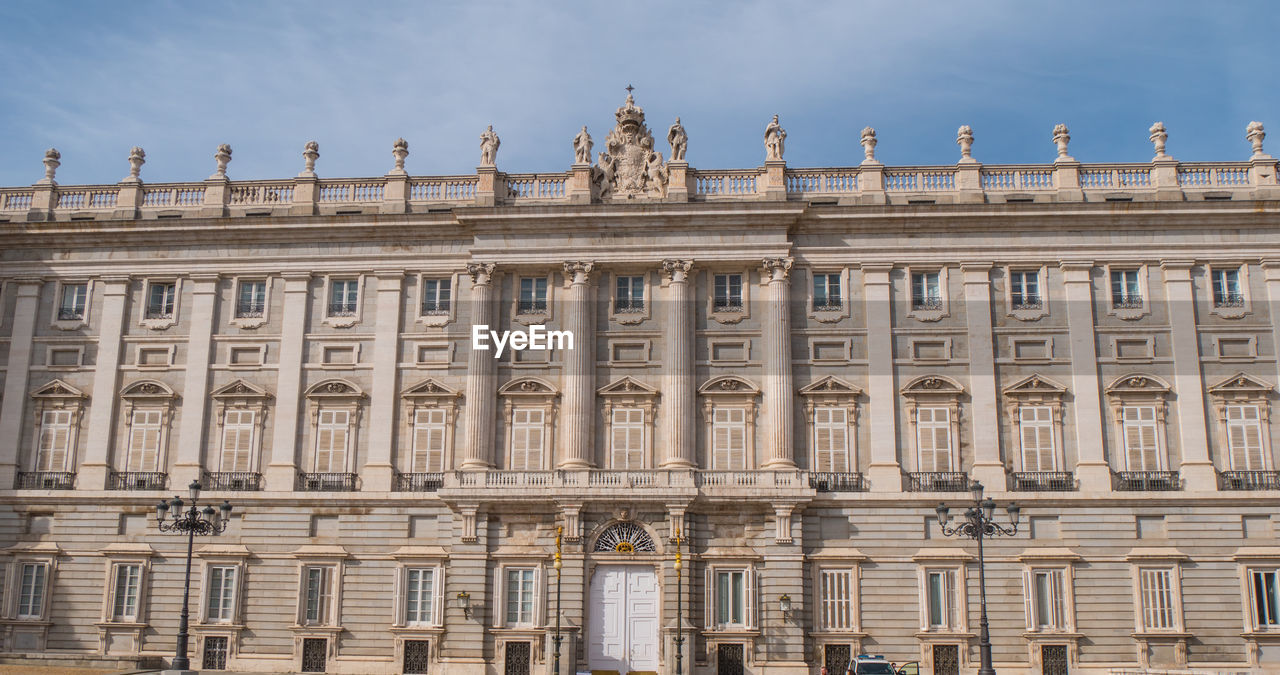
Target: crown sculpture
{"x": 630, "y": 167}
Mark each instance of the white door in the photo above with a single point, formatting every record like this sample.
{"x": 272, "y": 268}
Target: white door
{"x": 623, "y": 618}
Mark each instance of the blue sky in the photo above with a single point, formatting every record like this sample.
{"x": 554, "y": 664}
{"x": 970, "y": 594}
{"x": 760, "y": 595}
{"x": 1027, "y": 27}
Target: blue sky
{"x": 178, "y": 78}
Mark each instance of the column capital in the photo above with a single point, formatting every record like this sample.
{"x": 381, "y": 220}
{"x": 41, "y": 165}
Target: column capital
{"x": 676, "y": 270}
{"x": 28, "y": 286}
{"x": 205, "y": 277}
{"x": 296, "y": 275}
{"x": 481, "y": 273}
{"x": 388, "y": 275}
{"x": 777, "y": 268}
{"x": 1076, "y": 270}
{"x": 981, "y": 268}
{"x": 578, "y": 271}
{"x": 1181, "y": 269}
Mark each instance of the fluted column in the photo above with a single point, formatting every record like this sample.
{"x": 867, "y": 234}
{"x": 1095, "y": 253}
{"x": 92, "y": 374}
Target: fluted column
{"x": 17, "y": 374}
{"x": 106, "y": 379}
{"x": 482, "y": 380}
{"x": 678, "y": 382}
{"x": 195, "y": 389}
{"x": 579, "y": 370}
{"x": 779, "y": 397}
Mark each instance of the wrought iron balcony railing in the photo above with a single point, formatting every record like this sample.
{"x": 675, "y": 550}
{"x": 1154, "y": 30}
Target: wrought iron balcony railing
{"x": 246, "y": 481}
{"x": 1042, "y": 481}
{"x": 727, "y": 305}
{"x": 628, "y": 306}
{"x": 828, "y": 306}
{"x": 342, "y": 309}
{"x": 837, "y": 482}
{"x": 45, "y": 480}
{"x": 326, "y": 482}
{"x": 928, "y": 304}
{"x": 71, "y": 314}
{"x": 1126, "y": 302}
{"x": 137, "y": 480}
{"x": 531, "y": 307}
{"x": 419, "y": 482}
{"x": 158, "y": 313}
{"x": 1029, "y": 302}
{"x": 1228, "y": 300}
{"x": 250, "y": 310}
{"x": 1249, "y": 480}
{"x": 938, "y": 481}
{"x": 1148, "y": 481}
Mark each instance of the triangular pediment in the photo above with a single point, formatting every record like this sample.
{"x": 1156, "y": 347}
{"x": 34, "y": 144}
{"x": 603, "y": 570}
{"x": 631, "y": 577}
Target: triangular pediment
{"x": 334, "y": 388}
{"x": 528, "y": 386}
{"x": 1242, "y": 383}
{"x": 58, "y": 389}
{"x": 728, "y": 384}
{"x": 1035, "y": 384}
{"x": 148, "y": 389}
{"x": 430, "y": 387}
{"x": 627, "y": 386}
{"x": 1138, "y": 383}
{"x": 240, "y": 389}
{"x": 933, "y": 385}
{"x": 830, "y": 385}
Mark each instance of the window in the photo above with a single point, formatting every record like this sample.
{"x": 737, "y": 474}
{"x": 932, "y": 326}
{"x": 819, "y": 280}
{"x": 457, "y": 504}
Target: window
{"x": 344, "y": 297}
{"x": 160, "y": 299}
{"x": 940, "y": 585}
{"x": 836, "y": 595}
{"x": 332, "y": 433}
{"x": 1141, "y": 441}
{"x": 419, "y": 601}
{"x": 1035, "y": 424}
{"x": 1126, "y": 290}
{"x": 629, "y": 297}
{"x": 533, "y": 295}
{"x": 128, "y": 585}
{"x": 728, "y": 293}
{"x": 1244, "y": 438}
{"x": 31, "y": 589}
{"x": 826, "y": 293}
{"x": 731, "y": 598}
{"x": 1024, "y": 290}
{"x": 220, "y": 599}
{"x": 527, "y": 427}
{"x": 74, "y": 299}
{"x": 55, "y": 439}
{"x": 251, "y": 301}
{"x": 428, "y": 440}
{"x": 238, "y": 428}
{"x": 729, "y": 439}
{"x": 318, "y": 595}
{"x": 831, "y": 439}
{"x": 933, "y": 439}
{"x": 626, "y": 439}
{"x": 1226, "y": 288}
{"x": 926, "y": 293}
{"x": 144, "y": 441}
{"x": 436, "y": 296}
{"x": 1158, "y": 596}
{"x": 1265, "y": 592}
{"x": 1046, "y": 595}
{"x": 519, "y": 596}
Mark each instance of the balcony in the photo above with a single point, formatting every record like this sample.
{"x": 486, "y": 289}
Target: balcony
{"x": 342, "y": 309}
{"x": 1029, "y": 302}
{"x": 828, "y": 306}
{"x": 837, "y": 482}
{"x": 927, "y": 304}
{"x": 419, "y": 482}
{"x": 1126, "y": 302}
{"x": 938, "y": 481}
{"x": 71, "y": 314}
{"x": 45, "y": 480}
{"x": 632, "y": 306}
{"x": 326, "y": 482}
{"x": 1228, "y": 299}
{"x": 1147, "y": 481}
{"x": 731, "y": 305}
{"x": 250, "y": 310}
{"x": 240, "y": 481}
{"x": 1249, "y": 480}
{"x": 137, "y": 480}
{"x": 1042, "y": 481}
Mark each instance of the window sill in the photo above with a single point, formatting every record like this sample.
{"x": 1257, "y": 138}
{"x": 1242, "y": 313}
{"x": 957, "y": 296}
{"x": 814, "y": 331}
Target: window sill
{"x": 341, "y": 321}
{"x": 435, "y": 320}
{"x": 332, "y": 630}
{"x": 944, "y": 634}
{"x": 728, "y": 317}
{"x": 1231, "y": 312}
{"x": 1052, "y": 635}
{"x": 732, "y": 632}
{"x": 159, "y": 323}
{"x": 1028, "y": 314}
{"x": 125, "y": 625}
{"x": 250, "y": 323}
{"x": 827, "y": 315}
{"x": 417, "y": 630}
{"x": 1129, "y": 313}
{"x": 928, "y": 315}
{"x": 69, "y": 324}
{"x": 529, "y": 319}
{"x": 1160, "y": 635}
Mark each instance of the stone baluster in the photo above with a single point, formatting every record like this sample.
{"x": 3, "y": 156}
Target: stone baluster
{"x": 678, "y": 381}
{"x": 579, "y": 370}
{"x": 17, "y": 373}
{"x": 778, "y": 404}
{"x": 482, "y": 380}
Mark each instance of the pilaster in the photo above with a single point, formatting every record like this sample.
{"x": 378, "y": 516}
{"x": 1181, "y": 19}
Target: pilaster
{"x": 1066, "y": 176}
{"x": 579, "y": 191}
{"x": 17, "y": 375}
{"x": 579, "y": 370}
{"x": 678, "y": 383}
{"x": 1164, "y": 176}
{"x": 128, "y": 199}
{"x": 486, "y": 185}
{"x": 1262, "y": 175}
{"x": 985, "y": 411}
{"x": 482, "y": 377}
{"x": 306, "y": 194}
{"x": 282, "y": 472}
{"x": 217, "y": 194}
{"x": 779, "y": 397}
{"x": 1271, "y": 276}
{"x": 871, "y": 182}
{"x": 884, "y": 471}
{"x": 774, "y": 186}
{"x": 969, "y": 182}
{"x": 1092, "y": 470}
{"x": 378, "y": 472}
{"x": 395, "y": 194}
{"x": 106, "y": 379}
{"x": 678, "y": 188}
{"x": 195, "y": 388}
{"x": 1197, "y": 470}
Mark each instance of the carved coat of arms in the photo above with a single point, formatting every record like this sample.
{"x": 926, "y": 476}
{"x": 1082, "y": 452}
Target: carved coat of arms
{"x": 630, "y": 167}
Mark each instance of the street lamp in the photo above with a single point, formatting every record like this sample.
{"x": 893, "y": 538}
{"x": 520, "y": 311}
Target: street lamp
{"x": 679, "y": 640}
{"x": 979, "y": 522}
{"x": 558, "y": 566}
{"x": 191, "y": 522}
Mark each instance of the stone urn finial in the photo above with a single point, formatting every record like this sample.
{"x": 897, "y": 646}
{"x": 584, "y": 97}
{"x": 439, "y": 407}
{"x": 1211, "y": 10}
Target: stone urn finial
{"x": 223, "y": 157}
{"x": 1159, "y": 137}
{"x": 964, "y": 139}
{"x": 51, "y": 163}
{"x": 1061, "y": 137}
{"x": 400, "y": 150}
{"x": 137, "y": 157}
{"x": 310, "y": 153}
{"x": 869, "y": 143}
{"x": 1255, "y": 133}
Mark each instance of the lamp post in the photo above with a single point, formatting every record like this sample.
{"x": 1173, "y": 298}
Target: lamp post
{"x": 558, "y": 566}
{"x": 978, "y": 523}
{"x": 191, "y": 522}
{"x": 679, "y": 640}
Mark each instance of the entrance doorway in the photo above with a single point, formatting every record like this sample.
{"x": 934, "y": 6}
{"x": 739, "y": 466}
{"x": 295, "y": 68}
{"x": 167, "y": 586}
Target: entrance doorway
{"x": 623, "y": 618}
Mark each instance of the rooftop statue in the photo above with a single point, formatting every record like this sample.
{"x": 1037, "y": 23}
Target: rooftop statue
{"x": 489, "y": 143}
{"x": 774, "y": 140}
{"x": 678, "y": 140}
{"x": 582, "y": 147}
{"x": 629, "y": 167}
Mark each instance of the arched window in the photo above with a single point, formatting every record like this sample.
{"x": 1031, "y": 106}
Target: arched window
{"x": 625, "y": 538}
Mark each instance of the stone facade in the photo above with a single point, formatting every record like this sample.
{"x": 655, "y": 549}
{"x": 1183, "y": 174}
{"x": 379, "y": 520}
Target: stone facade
{"x": 788, "y": 367}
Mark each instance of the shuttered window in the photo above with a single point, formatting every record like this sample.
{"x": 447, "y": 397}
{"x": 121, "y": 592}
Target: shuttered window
{"x": 428, "y": 440}
{"x": 1244, "y": 438}
{"x": 626, "y": 441}
{"x": 332, "y": 434}
{"x": 1141, "y": 439}
{"x": 729, "y": 439}
{"x": 933, "y": 439}
{"x": 527, "y": 433}
{"x": 238, "y": 430}
{"x": 1048, "y": 606}
{"x": 837, "y": 599}
{"x": 1157, "y": 596}
{"x": 144, "y": 441}
{"x": 55, "y": 439}
{"x": 831, "y": 439}
{"x": 1035, "y": 424}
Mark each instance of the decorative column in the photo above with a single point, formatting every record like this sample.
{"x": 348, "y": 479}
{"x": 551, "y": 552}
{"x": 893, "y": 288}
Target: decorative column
{"x": 282, "y": 472}
{"x": 1092, "y": 470}
{"x": 195, "y": 388}
{"x": 884, "y": 471}
{"x": 106, "y": 380}
{"x": 482, "y": 376}
{"x": 779, "y": 397}
{"x": 1197, "y": 470}
{"x": 985, "y": 411}
{"x": 679, "y": 393}
{"x": 17, "y": 374}
{"x": 579, "y": 370}
{"x": 379, "y": 469}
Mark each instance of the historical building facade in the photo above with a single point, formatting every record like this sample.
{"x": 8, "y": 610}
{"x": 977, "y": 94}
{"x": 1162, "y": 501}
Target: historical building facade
{"x": 788, "y": 368}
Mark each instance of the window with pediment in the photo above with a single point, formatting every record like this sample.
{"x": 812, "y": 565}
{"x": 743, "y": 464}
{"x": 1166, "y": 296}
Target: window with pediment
{"x": 1139, "y": 408}
{"x": 1034, "y": 407}
{"x": 58, "y": 409}
{"x": 430, "y": 409}
{"x": 831, "y": 413}
{"x": 335, "y": 407}
{"x": 148, "y": 412}
{"x": 241, "y": 412}
{"x": 1242, "y": 405}
{"x": 729, "y": 412}
{"x": 628, "y": 423}
{"x": 933, "y": 410}
{"x": 529, "y": 408}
